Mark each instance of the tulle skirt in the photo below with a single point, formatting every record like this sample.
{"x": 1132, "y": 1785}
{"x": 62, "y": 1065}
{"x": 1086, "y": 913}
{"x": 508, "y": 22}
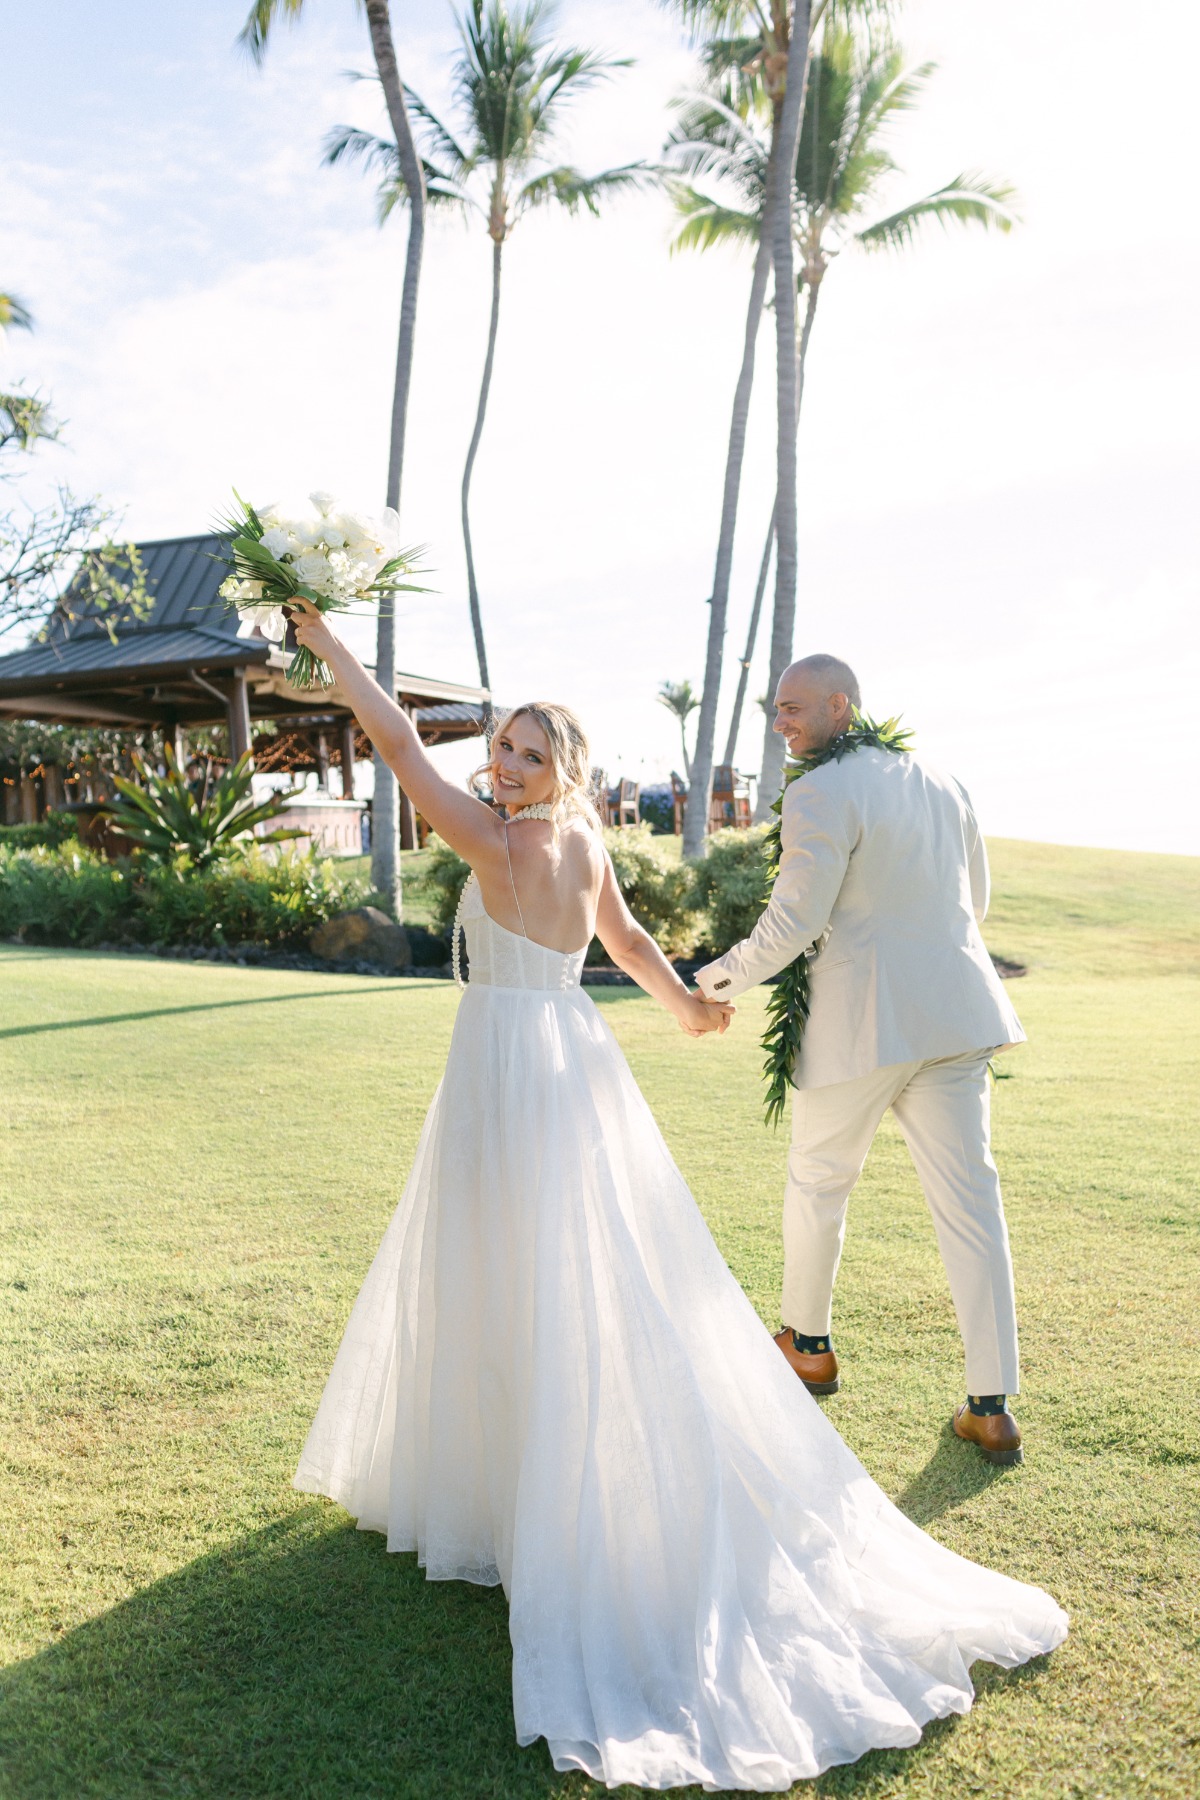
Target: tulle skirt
{"x": 551, "y": 1380}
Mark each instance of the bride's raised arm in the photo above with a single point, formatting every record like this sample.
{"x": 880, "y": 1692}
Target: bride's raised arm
{"x": 466, "y": 824}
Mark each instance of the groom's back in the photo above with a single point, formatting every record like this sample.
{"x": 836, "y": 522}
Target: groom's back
{"x": 904, "y": 974}
{"x": 917, "y": 856}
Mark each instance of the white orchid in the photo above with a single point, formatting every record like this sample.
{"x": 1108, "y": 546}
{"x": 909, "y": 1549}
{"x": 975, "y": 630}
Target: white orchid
{"x": 267, "y": 618}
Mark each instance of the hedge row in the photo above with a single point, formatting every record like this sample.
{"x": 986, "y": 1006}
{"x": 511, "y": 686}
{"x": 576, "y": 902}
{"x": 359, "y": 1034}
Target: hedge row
{"x": 66, "y": 894}
{"x": 70, "y": 895}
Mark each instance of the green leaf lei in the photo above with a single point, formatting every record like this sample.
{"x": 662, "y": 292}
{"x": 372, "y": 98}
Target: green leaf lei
{"x": 787, "y": 1009}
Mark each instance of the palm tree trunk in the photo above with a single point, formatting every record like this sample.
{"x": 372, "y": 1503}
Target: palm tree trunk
{"x": 774, "y": 249}
{"x": 687, "y": 766}
{"x": 385, "y": 808}
{"x": 739, "y": 699}
{"x": 480, "y": 414}
{"x": 786, "y": 552}
{"x": 783, "y": 625}
{"x": 695, "y": 815}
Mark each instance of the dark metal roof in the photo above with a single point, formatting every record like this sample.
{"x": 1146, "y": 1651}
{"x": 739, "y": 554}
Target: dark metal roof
{"x": 463, "y": 713}
{"x": 188, "y": 623}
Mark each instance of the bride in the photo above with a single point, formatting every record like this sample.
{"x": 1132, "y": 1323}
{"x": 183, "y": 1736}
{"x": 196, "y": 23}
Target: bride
{"x": 550, "y": 1380}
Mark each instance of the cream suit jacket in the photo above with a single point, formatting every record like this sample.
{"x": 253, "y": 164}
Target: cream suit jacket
{"x": 883, "y": 880}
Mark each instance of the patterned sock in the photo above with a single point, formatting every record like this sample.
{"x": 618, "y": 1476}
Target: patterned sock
{"x": 811, "y": 1346}
{"x": 986, "y": 1406}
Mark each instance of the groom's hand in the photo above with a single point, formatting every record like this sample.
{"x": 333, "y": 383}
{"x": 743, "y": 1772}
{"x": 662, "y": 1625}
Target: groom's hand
{"x": 699, "y": 1016}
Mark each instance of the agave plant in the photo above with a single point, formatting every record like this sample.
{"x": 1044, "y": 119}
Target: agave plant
{"x": 162, "y": 815}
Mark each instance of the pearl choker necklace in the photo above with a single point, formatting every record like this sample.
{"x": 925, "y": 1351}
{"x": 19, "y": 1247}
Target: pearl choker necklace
{"x": 541, "y": 811}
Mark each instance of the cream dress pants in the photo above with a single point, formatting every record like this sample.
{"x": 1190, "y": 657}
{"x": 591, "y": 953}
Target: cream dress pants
{"x": 943, "y": 1108}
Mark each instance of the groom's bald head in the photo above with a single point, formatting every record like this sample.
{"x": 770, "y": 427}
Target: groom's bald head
{"x": 814, "y": 701}
{"x": 829, "y": 674}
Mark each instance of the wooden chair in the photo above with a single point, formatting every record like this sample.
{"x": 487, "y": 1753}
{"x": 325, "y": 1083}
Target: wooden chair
{"x": 628, "y": 794}
{"x": 730, "y": 800}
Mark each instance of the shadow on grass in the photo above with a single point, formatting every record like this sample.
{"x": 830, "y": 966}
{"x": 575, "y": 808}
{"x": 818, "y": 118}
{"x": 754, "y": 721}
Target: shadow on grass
{"x": 302, "y": 1661}
{"x": 954, "y": 1474}
{"x": 168, "y": 1012}
{"x": 305, "y": 1661}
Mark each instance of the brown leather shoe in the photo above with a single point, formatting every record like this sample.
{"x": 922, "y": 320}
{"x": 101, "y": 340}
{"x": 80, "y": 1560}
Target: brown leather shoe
{"x": 997, "y": 1437}
{"x": 818, "y": 1373}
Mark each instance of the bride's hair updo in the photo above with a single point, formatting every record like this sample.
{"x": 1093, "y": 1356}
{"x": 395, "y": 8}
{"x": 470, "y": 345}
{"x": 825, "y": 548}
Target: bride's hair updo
{"x": 570, "y": 760}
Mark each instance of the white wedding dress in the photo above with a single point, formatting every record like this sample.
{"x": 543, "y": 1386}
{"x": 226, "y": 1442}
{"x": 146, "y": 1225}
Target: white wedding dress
{"x": 551, "y": 1380}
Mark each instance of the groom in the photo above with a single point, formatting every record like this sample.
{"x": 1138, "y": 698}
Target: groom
{"x": 883, "y": 880}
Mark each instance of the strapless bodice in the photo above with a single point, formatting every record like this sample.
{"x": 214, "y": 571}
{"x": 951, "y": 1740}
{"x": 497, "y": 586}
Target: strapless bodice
{"x": 502, "y": 958}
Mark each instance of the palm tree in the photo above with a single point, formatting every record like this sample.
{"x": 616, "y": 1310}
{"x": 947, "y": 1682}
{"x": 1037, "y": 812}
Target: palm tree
{"x": 385, "y": 808}
{"x": 855, "y": 89}
{"x": 771, "y": 39}
{"x": 680, "y": 698}
{"x": 512, "y": 85}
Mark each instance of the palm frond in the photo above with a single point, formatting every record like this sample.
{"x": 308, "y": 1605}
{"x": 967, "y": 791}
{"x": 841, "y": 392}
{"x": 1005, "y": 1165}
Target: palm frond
{"x": 967, "y": 200}
{"x": 569, "y": 188}
{"x": 711, "y": 140}
{"x": 440, "y": 139}
{"x": 14, "y": 315}
{"x": 705, "y": 221}
{"x": 347, "y": 143}
{"x": 262, "y": 15}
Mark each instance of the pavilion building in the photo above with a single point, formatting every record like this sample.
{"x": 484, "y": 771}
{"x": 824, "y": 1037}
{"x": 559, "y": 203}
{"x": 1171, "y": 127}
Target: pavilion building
{"x": 189, "y": 663}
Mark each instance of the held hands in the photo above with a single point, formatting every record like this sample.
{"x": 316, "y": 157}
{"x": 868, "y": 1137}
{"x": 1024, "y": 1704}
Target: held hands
{"x": 698, "y": 1016}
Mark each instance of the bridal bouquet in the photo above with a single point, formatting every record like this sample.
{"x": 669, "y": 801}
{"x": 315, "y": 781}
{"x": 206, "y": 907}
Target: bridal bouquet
{"x": 321, "y": 552}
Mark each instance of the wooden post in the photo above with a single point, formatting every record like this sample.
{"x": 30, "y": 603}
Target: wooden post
{"x": 322, "y": 762}
{"x": 29, "y": 805}
{"x": 239, "y": 716}
{"x": 52, "y": 785}
{"x": 347, "y": 759}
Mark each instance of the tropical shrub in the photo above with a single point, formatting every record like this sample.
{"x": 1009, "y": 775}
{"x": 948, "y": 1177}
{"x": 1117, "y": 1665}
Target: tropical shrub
{"x": 443, "y": 877}
{"x": 275, "y": 902}
{"x": 162, "y": 816}
{"x": 66, "y": 895}
{"x": 73, "y": 896}
{"x": 657, "y": 890}
{"x": 55, "y": 828}
{"x": 729, "y": 886}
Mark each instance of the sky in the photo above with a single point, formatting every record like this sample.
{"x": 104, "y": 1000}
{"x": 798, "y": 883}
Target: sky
{"x": 998, "y": 451}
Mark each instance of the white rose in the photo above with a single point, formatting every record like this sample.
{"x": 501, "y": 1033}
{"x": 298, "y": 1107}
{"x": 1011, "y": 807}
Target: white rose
{"x": 276, "y": 540}
{"x": 324, "y": 503}
{"x": 312, "y": 566}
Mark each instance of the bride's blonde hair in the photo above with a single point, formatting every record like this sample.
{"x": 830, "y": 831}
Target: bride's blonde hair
{"x": 570, "y": 760}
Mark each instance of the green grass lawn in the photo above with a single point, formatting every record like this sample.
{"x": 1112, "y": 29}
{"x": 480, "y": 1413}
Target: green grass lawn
{"x": 196, "y": 1164}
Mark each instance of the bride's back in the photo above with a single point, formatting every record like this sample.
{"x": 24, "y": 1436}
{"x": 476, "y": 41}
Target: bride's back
{"x": 555, "y": 883}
